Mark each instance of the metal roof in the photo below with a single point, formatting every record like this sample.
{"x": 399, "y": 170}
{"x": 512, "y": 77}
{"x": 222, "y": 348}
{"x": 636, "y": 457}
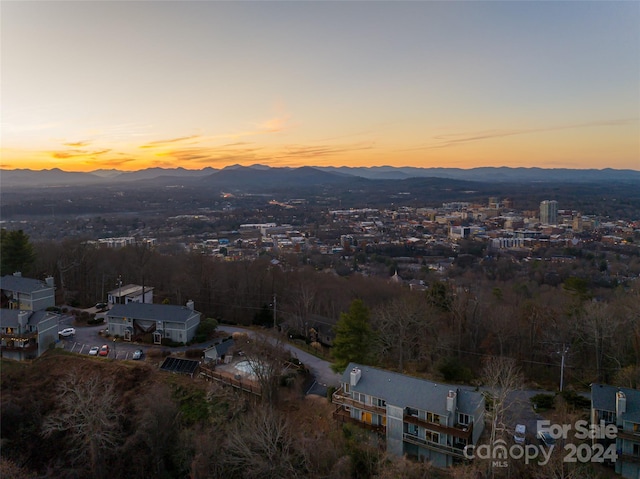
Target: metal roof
{"x": 603, "y": 398}
{"x": 156, "y": 312}
{"x": 406, "y": 391}
{"x": 22, "y": 285}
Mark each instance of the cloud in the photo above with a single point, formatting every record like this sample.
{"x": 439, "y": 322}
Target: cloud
{"x": 61, "y": 155}
{"x": 301, "y": 151}
{"x": 274, "y": 124}
{"x": 160, "y": 143}
{"x": 455, "y": 139}
{"x": 77, "y": 144}
{"x": 214, "y": 155}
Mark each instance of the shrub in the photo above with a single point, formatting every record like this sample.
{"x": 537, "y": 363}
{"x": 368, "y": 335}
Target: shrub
{"x": 194, "y": 353}
{"x": 453, "y": 370}
{"x": 576, "y": 400}
{"x": 543, "y": 401}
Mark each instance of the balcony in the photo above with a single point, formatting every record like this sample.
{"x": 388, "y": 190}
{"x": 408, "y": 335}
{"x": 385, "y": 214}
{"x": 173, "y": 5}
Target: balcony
{"x": 628, "y": 435}
{"x": 434, "y": 446}
{"x": 341, "y": 415}
{"x": 459, "y": 430}
{"x": 19, "y": 342}
{"x": 340, "y": 398}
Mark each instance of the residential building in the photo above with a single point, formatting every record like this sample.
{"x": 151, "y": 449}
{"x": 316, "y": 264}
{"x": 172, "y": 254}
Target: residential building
{"x": 619, "y": 406}
{"x": 26, "y": 294}
{"x": 218, "y": 352}
{"x": 27, "y": 334}
{"x": 549, "y": 212}
{"x": 419, "y": 418}
{"x": 176, "y": 323}
{"x": 130, "y": 293}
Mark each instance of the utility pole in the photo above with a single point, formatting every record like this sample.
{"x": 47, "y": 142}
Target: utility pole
{"x": 565, "y": 350}
{"x": 274, "y": 311}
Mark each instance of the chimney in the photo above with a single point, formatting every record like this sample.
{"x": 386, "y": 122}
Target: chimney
{"x": 356, "y": 374}
{"x": 23, "y": 319}
{"x": 18, "y": 274}
{"x": 49, "y": 281}
{"x": 190, "y": 304}
{"x": 451, "y": 401}
{"x": 621, "y": 406}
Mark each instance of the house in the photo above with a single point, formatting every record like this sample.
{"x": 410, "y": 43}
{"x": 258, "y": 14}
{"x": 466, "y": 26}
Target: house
{"x": 176, "y": 323}
{"x": 130, "y": 293}
{"x": 27, "y": 334}
{"x": 619, "y": 406}
{"x": 419, "y": 418}
{"x": 26, "y": 294}
{"x": 217, "y": 353}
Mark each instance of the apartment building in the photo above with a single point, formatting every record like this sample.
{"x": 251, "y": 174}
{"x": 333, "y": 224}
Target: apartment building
{"x": 619, "y": 406}
{"x": 419, "y": 418}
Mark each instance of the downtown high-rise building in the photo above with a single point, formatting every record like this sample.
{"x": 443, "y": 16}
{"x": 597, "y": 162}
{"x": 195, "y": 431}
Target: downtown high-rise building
{"x": 549, "y": 212}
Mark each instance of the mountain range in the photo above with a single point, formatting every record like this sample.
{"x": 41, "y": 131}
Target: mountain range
{"x": 260, "y": 175}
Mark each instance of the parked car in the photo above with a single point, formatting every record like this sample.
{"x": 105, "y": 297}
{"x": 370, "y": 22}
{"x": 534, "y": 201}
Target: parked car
{"x": 66, "y": 332}
{"x": 520, "y": 434}
{"x": 94, "y": 351}
{"x": 101, "y": 306}
{"x": 137, "y": 354}
{"x": 104, "y": 350}
{"x": 545, "y": 438}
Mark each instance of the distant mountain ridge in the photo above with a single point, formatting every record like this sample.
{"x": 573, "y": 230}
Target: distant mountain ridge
{"x": 262, "y": 175}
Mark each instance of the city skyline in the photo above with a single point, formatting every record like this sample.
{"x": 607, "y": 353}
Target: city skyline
{"x": 133, "y": 85}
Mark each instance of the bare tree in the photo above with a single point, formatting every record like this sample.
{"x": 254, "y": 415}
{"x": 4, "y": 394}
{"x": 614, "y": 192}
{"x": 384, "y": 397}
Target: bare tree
{"x": 88, "y": 412}
{"x": 399, "y": 325}
{"x": 501, "y": 377}
{"x": 267, "y": 356}
{"x": 263, "y": 444}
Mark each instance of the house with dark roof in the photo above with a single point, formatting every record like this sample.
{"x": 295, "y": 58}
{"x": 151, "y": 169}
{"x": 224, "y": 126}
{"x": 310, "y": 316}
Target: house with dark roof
{"x": 619, "y": 406}
{"x": 218, "y": 352}
{"x": 418, "y": 418}
{"x": 26, "y": 334}
{"x": 176, "y": 323}
{"x": 26, "y": 294}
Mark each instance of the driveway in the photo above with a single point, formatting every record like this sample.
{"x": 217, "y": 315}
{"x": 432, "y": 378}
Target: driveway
{"x": 320, "y": 369}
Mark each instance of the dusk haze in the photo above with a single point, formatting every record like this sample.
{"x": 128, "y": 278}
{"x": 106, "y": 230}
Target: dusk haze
{"x": 133, "y": 85}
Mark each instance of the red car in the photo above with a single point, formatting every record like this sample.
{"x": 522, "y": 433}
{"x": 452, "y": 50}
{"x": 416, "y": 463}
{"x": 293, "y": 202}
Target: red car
{"x": 104, "y": 350}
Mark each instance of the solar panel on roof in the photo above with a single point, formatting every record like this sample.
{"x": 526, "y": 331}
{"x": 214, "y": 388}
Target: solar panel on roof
{"x": 178, "y": 365}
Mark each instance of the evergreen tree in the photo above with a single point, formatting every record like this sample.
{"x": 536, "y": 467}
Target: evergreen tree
{"x": 16, "y": 252}
{"x": 354, "y": 337}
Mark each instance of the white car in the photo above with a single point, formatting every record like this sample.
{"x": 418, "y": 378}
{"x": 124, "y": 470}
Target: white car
{"x": 66, "y": 332}
{"x": 520, "y": 434}
{"x": 94, "y": 351}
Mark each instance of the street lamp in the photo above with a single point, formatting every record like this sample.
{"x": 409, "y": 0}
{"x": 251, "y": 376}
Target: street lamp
{"x": 115, "y": 353}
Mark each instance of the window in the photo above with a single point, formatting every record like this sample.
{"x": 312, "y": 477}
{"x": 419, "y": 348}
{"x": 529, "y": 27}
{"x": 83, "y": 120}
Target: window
{"x": 433, "y": 418}
{"x": 359, "y": 397}
{"x": 636, "y": 449}
{"x": 464, "y": 419}
{"x": 346, "y": 388}
{"x": 432, "y": 436}
{"x": 412, "y": 429}
{"x": 412, "y": 412}
{"x": 609, "y": 417}
{"x": 378, "y": 402}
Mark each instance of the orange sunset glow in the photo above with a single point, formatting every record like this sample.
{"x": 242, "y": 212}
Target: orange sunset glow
{"x": 423, "y": 84}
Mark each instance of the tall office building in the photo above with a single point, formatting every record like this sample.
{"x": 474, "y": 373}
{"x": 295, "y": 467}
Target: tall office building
{"x": 549, "y": 212}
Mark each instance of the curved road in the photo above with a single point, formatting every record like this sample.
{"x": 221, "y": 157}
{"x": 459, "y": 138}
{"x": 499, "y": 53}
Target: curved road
{"x": 88, "y": 336}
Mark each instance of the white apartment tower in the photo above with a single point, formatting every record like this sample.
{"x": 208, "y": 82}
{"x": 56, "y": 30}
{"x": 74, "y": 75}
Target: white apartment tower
{"x": 549, "y": 212}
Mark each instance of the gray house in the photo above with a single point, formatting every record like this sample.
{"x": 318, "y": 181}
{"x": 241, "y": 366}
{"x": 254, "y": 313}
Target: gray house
{"x": 177, "y": 323}
{"x": 217, "y": 353}
{"x": 26, "y": 334}
{"x": 422, "y": 419}
{"x": 619, "y": 406}
{"x": 25, "y": 293}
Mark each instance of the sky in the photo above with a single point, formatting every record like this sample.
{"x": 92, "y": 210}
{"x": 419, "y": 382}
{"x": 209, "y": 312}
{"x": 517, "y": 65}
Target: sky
{"x": 89, "y": 85}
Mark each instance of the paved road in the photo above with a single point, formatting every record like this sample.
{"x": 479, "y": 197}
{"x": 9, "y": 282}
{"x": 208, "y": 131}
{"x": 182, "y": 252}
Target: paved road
{"x": 88, "y": 336}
